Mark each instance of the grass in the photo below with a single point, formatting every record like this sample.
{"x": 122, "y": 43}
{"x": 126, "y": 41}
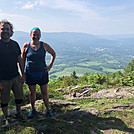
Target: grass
{"x": 60, "y": 74}
{"x": 62, "y": 69}
{"x": 115, "y": 122}
{"x": 111, "y": 70}
{"x": 61, "y": 65}
{"x": 87, "y": 64}
{"x": 83, "y": 69}
{"x": 79, "y": 71}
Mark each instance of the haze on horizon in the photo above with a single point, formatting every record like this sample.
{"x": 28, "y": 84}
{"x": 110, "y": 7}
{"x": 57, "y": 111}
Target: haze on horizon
{"x": 98, "y": 17}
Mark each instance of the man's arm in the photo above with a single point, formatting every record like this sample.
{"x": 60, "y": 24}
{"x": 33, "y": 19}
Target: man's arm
{"x": 21, "y": 66}
{"x": 20, "y": 61}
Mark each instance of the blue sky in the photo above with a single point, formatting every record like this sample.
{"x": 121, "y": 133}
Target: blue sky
{"x": 98, "y": 17}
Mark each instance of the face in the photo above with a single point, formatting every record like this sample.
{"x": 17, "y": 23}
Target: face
{"x": 5, "y": 32}
{"x": 35, "y": 35}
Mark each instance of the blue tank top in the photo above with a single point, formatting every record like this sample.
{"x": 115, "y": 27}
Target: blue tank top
{"x": 36, "y": 59}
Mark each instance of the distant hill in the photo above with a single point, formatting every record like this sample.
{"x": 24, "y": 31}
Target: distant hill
{"x": 61, "y": 39}
{"x": 21, "y": 37}
{"x": 118, "y": 36}
{"x": 83, "y": 53}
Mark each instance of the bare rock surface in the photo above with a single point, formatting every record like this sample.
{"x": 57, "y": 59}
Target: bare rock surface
{"x": 87, "y": 92}
{"x": 114, "y": 93}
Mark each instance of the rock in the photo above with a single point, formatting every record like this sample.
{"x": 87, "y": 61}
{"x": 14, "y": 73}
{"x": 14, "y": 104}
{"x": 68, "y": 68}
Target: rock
{"x": 119, "y": 108}
{"x": 92, "y": 132}
{"x": 62, "y": 102}
{"x": 80, "y": 113}
{"x": 41, "y": 128}
{"x": 112, "y": 110}
{"x": 76, "y": 108}
{"x": 93, "y": 111}
{"x": 113, "y": 93}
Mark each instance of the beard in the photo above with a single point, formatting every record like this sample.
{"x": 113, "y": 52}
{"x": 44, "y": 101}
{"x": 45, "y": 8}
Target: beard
{"x": 5, "y": 36}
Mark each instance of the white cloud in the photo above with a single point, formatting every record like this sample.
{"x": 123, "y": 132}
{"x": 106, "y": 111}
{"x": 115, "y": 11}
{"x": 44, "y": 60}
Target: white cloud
{"x": 75, "y": 7}
{"x": 86, "y": 10}
{"x": 20, "y": 22}
{"x": 31, "y": 5}
{"x": 28, "y": 5}
{"x": 83, "y": 16}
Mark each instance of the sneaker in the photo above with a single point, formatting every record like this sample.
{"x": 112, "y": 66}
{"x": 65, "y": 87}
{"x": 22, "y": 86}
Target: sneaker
{"x": 6, "y": 121}
{"x": 31, "y": 113}
{"x": 49, "y": 113}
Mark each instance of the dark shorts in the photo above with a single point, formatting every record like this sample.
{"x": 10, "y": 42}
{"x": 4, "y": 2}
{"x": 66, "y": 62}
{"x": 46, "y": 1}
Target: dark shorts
{"x": 42, "y": 81}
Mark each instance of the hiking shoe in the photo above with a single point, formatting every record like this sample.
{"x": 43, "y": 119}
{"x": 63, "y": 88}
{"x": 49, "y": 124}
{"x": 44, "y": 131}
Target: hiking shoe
{"x": 6, "y": 121}
{"x": 49, "y": 113}
{"x": 31, "y": 113}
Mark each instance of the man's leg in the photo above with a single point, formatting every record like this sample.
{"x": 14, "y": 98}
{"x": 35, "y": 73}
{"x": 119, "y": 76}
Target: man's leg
{"x": 18, "y": 94}
{"x": 5, "y": 96}
{"x": 4, "y": 108}
{"x": 18, "y": 103}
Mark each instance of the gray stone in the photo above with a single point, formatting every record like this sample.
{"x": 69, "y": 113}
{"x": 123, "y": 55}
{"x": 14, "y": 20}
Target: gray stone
{"x": 41, "y": 128}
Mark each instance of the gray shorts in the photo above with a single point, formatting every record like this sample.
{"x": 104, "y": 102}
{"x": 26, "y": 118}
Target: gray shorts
{"x": 15, "y": 85}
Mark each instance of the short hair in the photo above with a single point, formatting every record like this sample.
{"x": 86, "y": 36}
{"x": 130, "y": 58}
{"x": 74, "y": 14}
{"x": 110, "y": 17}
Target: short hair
{"x": 4, "y": 21}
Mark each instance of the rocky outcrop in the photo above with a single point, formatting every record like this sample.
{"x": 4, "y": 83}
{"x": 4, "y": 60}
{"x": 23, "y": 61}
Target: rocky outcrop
{"x": 71, "y": 109}
{"x": 117, "y": 93}
{"x": 87, "y": 93}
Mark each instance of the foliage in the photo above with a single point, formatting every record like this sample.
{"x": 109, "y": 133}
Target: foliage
{"x": 97, "y": 81}
{"x": 105, "y": 80}
{"x": 130, "y": 67}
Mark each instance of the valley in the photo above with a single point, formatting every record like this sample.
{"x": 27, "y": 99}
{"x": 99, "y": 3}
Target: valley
{"x": 85, "y": 53}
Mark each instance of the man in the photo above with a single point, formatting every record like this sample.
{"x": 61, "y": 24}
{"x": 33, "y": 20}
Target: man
{"x": 10, "y": 55}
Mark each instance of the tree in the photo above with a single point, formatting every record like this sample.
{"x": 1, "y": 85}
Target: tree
{"x": 130, "y": 67}
{"x": 73, "y": 75}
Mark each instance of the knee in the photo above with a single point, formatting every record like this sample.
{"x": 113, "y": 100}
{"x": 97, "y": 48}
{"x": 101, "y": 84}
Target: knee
{"x": 4, "y": 105}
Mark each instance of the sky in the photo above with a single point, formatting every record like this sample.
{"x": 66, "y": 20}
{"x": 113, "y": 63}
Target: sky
{"x": 97, "y": 17}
